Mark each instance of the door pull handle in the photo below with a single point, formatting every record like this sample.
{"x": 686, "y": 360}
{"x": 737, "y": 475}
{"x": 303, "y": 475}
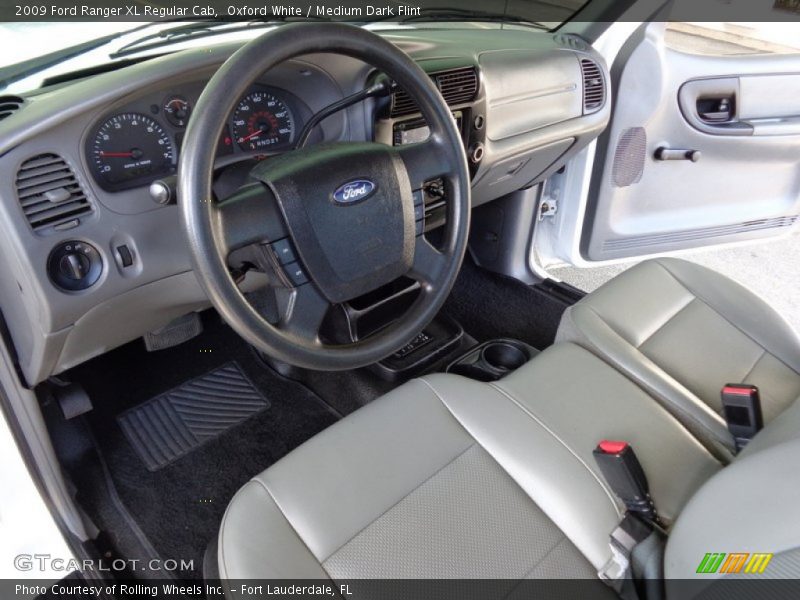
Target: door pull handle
{"x": 664, "y": 153}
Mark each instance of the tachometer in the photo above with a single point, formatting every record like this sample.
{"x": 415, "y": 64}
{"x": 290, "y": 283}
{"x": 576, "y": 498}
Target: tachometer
{"x": 130, "y": 148}
{"x": 261, "y": 120}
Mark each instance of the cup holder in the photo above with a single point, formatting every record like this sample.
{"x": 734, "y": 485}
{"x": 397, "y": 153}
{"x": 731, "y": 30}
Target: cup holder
{"x": 504, "y": 356}
{"x": 493, "y": 359}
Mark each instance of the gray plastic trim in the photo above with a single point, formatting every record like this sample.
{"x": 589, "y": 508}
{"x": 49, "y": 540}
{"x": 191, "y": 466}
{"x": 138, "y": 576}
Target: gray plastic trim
{"x": 743, "y": 188}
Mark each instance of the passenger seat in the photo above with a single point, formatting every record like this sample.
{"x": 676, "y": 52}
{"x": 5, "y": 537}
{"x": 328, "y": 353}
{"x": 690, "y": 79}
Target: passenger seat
{"x": 682, "y": 331}
{"x": 749, "y": 507}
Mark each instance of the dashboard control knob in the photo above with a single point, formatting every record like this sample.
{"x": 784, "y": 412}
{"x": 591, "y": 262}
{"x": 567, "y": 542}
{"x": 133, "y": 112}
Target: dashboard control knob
{"x": 74, "y": 266}
{"x": 476, "y": 153}
{"x": 163, "y": 191}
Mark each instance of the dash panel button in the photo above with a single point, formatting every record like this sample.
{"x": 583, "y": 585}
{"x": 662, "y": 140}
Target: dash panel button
{"x": 295, "y": 273}
{"x": 284, "y": 251}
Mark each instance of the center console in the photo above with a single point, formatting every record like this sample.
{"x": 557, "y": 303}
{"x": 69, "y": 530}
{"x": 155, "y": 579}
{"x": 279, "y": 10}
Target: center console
{"x": 492, "y": 360}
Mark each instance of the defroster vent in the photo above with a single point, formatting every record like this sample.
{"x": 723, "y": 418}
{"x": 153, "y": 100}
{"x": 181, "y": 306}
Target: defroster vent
{"x": 9, "y": 105}
{"x": 49, "y": 194}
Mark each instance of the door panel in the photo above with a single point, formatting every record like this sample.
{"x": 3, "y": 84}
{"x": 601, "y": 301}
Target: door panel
{"x": 702, "y": 150}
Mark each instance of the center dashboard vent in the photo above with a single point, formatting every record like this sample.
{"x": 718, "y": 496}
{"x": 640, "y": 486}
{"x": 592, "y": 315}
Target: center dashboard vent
{"x": 49, "y": 194}
{"x": 594, "y": 87}
{"x": 457, "y": 86}
{"x": 9, "y": 105}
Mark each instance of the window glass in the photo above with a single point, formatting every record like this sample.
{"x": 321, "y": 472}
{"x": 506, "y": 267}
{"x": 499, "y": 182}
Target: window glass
{"x": 734, "y": 39}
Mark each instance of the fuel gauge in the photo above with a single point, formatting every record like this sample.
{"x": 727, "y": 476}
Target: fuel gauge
{"x": 177, "y": 110}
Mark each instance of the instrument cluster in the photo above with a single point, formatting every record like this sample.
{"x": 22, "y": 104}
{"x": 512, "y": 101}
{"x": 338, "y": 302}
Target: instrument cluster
{"x": 133, "y": 148}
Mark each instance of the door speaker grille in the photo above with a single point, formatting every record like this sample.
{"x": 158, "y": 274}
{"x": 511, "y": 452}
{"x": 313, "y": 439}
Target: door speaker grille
{"x": 629, "y": 157}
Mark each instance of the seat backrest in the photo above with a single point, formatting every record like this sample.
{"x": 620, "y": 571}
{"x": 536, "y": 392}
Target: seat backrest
{"x": 682, "y": 332}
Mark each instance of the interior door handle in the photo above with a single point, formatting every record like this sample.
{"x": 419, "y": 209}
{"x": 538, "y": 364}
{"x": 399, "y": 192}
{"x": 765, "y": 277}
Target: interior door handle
{"x": 715, "y": 117}
{"x": 715, "y": 110}
{"x": 709, "y": 105}
{"x": 664, "y": 153}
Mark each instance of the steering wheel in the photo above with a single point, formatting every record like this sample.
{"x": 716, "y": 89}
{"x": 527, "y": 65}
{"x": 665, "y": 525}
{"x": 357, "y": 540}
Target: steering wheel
{"x": 346, "y": 210}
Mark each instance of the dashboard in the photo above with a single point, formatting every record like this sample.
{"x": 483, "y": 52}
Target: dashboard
{"x": 90, "y": 261}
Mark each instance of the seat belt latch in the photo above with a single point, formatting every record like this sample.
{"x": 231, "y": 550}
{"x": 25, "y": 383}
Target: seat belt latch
{"x": 741, "y": 407}
{"x": 630, "y": 533}
{"x": 625, "y": 476}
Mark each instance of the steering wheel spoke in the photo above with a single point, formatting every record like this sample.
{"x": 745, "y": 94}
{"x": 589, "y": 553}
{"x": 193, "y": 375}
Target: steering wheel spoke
{"x": 250, "y": 216}
{"x": 302, "y": 311}
{"x": 426, "y": 161}
{"x": 429, "y": 264}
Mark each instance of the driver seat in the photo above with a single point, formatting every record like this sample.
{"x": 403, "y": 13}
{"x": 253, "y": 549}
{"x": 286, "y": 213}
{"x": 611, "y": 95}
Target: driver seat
{"x": 449, "y": 478}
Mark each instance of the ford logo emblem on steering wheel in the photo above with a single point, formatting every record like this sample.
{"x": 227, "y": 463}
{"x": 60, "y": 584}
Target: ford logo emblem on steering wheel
{"x": 354, "y": 191}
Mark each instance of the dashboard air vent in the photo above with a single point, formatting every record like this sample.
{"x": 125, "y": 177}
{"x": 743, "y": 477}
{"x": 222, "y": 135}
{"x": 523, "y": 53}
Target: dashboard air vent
{"x": 49, "y": 193}
{"x": 9, "y": 105}
{"x": 457, "y": 86}
{"x": 402, "y": 104}
{"x": 594, "y": 89}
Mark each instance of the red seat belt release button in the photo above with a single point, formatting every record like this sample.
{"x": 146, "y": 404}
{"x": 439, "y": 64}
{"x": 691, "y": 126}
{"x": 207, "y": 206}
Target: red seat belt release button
{"x": 612, "y": 447}
{"x": 625, "y": 477}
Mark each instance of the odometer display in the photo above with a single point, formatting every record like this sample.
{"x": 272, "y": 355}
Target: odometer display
{"x": 131, "y": 149}
{"x": 261, "y": 121}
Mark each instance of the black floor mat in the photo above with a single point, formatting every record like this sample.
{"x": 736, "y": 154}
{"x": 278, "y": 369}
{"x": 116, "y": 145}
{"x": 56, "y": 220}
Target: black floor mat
{"x": 173, "y": 424}
{"x": 180, "y": 506}
{"x": 490, "y": 306}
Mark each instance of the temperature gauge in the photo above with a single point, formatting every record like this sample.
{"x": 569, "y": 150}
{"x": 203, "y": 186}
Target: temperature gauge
{"x": 177, "y": 111}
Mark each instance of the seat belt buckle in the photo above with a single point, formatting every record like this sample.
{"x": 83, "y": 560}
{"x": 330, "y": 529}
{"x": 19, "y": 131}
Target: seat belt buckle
{"x": 741, "y": 407}
{"x": 631, "y": 531}
{"x": 624, "y": 474}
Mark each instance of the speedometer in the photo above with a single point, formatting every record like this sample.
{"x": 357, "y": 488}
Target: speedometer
{"x": 129, "y": 149}
{"x": 261, "y": 120}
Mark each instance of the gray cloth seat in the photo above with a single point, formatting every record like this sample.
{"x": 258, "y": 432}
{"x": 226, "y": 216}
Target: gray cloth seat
{"x": 447, "y": 477}
{"x": 682, "y": 332}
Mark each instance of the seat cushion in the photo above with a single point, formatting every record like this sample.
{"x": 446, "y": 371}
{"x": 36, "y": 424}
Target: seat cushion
{"x": 400, "y": 489}
{"x": 682, "y": 332}
{"x": 446, "y": 477}
{"x": 581, "y": 400}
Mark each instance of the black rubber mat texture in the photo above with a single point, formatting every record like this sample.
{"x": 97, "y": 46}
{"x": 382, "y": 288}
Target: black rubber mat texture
{"x": 180, "y": 506}
{"x": 181, "y": 420}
